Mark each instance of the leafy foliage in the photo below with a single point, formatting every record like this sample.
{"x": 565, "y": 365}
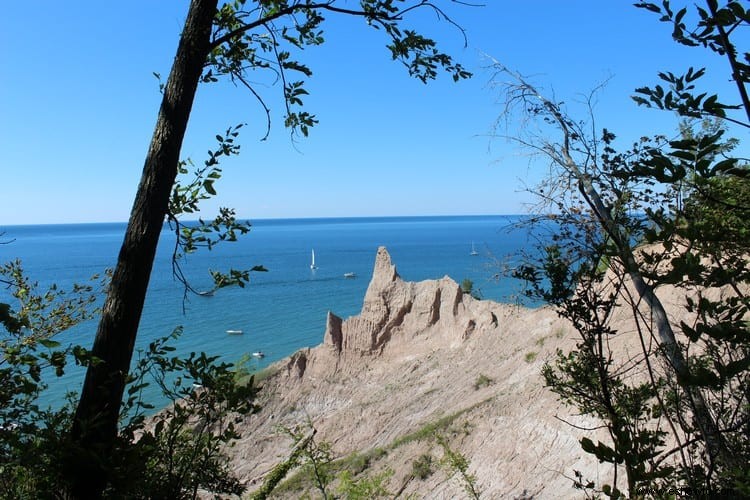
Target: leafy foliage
{"x": 191, "y": 236}
{"x": 718, "y": 211}
{"x": 233, "y": 39}
{"x": 467, "y": 287}
{"x": 712, "y": 29}
{"x": 181, "y": 448}
{"x": 662, "y": 213}
{"x": 588, "y": 378}
{"x": 168, "y": 455}
{"x": 315, "y": 458}
{"x": 364, "y": 488}
{"x": 30, "y": 435}
{"x": 457, "y": 463}
{"x": 252, "y": 36}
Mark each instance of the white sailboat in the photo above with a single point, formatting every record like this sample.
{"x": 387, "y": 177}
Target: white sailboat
{"x": 312, "y": 263}
{"x": 473, "y": 250}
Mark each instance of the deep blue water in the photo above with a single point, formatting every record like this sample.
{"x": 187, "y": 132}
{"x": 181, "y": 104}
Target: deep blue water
{"x": 281, "y": 310}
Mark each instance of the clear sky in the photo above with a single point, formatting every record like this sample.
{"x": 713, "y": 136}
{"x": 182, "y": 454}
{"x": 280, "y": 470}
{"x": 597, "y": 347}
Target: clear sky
{"x": 78, "y": 103}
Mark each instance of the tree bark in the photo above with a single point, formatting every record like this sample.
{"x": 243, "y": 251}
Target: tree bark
{"x": 670, "y": 348}
{"x": 707, "y": 426}
{"x": 731, "y": 52}
{"x": 95, "y": 423}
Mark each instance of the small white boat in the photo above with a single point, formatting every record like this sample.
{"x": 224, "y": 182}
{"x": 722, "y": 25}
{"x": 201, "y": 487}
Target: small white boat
{"x": 473, "y": 250}
{"x": 207, "y": 293}
{"x": 350, "y": 275}
{"x": 234, "y": 332}
{"x": 259, "y": 354}
{"x": 312, "y": 263}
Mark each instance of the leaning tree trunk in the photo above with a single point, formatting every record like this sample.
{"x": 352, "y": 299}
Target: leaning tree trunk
{"x": 670, "y": 350}
{"x": 95, "y": 423}
{"x": 707, "y": 426}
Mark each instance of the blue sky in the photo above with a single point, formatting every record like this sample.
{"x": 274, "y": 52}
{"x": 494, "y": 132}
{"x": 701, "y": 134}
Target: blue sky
{"x": 78, "y": 102}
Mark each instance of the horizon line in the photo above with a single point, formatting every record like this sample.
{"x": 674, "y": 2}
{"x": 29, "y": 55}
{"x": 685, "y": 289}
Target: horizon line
{"x": 266, "y": 219}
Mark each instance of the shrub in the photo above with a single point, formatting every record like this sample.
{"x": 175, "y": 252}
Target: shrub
{"x": 422, "y": 467}
{"x": 482, "y": 381}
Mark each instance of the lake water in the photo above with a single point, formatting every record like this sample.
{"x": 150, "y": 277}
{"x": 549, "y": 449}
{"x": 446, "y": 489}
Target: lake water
{"x": 284, "y": 309}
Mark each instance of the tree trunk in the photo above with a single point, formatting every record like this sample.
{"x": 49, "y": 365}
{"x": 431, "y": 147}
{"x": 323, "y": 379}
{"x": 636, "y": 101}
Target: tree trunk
{"x": 707, "y": 426}
{"x": 95, "y": 423}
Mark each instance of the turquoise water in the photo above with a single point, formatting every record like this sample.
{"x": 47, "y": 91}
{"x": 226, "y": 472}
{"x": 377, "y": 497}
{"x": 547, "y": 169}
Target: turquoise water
{"x": 284, "y": 309}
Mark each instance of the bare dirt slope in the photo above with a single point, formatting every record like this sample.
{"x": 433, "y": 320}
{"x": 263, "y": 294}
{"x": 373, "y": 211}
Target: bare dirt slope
{"x": 423, "y": 359}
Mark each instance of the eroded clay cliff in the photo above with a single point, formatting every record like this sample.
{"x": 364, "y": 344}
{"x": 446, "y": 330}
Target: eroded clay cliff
{"x": 421, "y": 359}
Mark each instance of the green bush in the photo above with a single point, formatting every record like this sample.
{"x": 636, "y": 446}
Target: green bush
{"x": 422, "y": 467}
{"x": 482, "y": 381}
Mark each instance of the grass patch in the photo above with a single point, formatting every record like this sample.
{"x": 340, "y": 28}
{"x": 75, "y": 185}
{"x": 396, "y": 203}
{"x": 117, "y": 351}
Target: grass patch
{"x": 391, "y": 387}
{"x": 482, "y": 381}
{"x": 428, "y": 430}
{"x": 530, "y": 356}
{"x": 243, "y": 375}
{"x": 296, "y": 481}
{"x": 266, "y": 373}
{"x": 357, "y": 463}
{"x": 353, "y": 464}
{"x": 540, "y": 341}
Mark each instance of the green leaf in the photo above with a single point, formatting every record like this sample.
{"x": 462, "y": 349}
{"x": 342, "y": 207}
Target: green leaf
{"x": 49, "y": 343}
